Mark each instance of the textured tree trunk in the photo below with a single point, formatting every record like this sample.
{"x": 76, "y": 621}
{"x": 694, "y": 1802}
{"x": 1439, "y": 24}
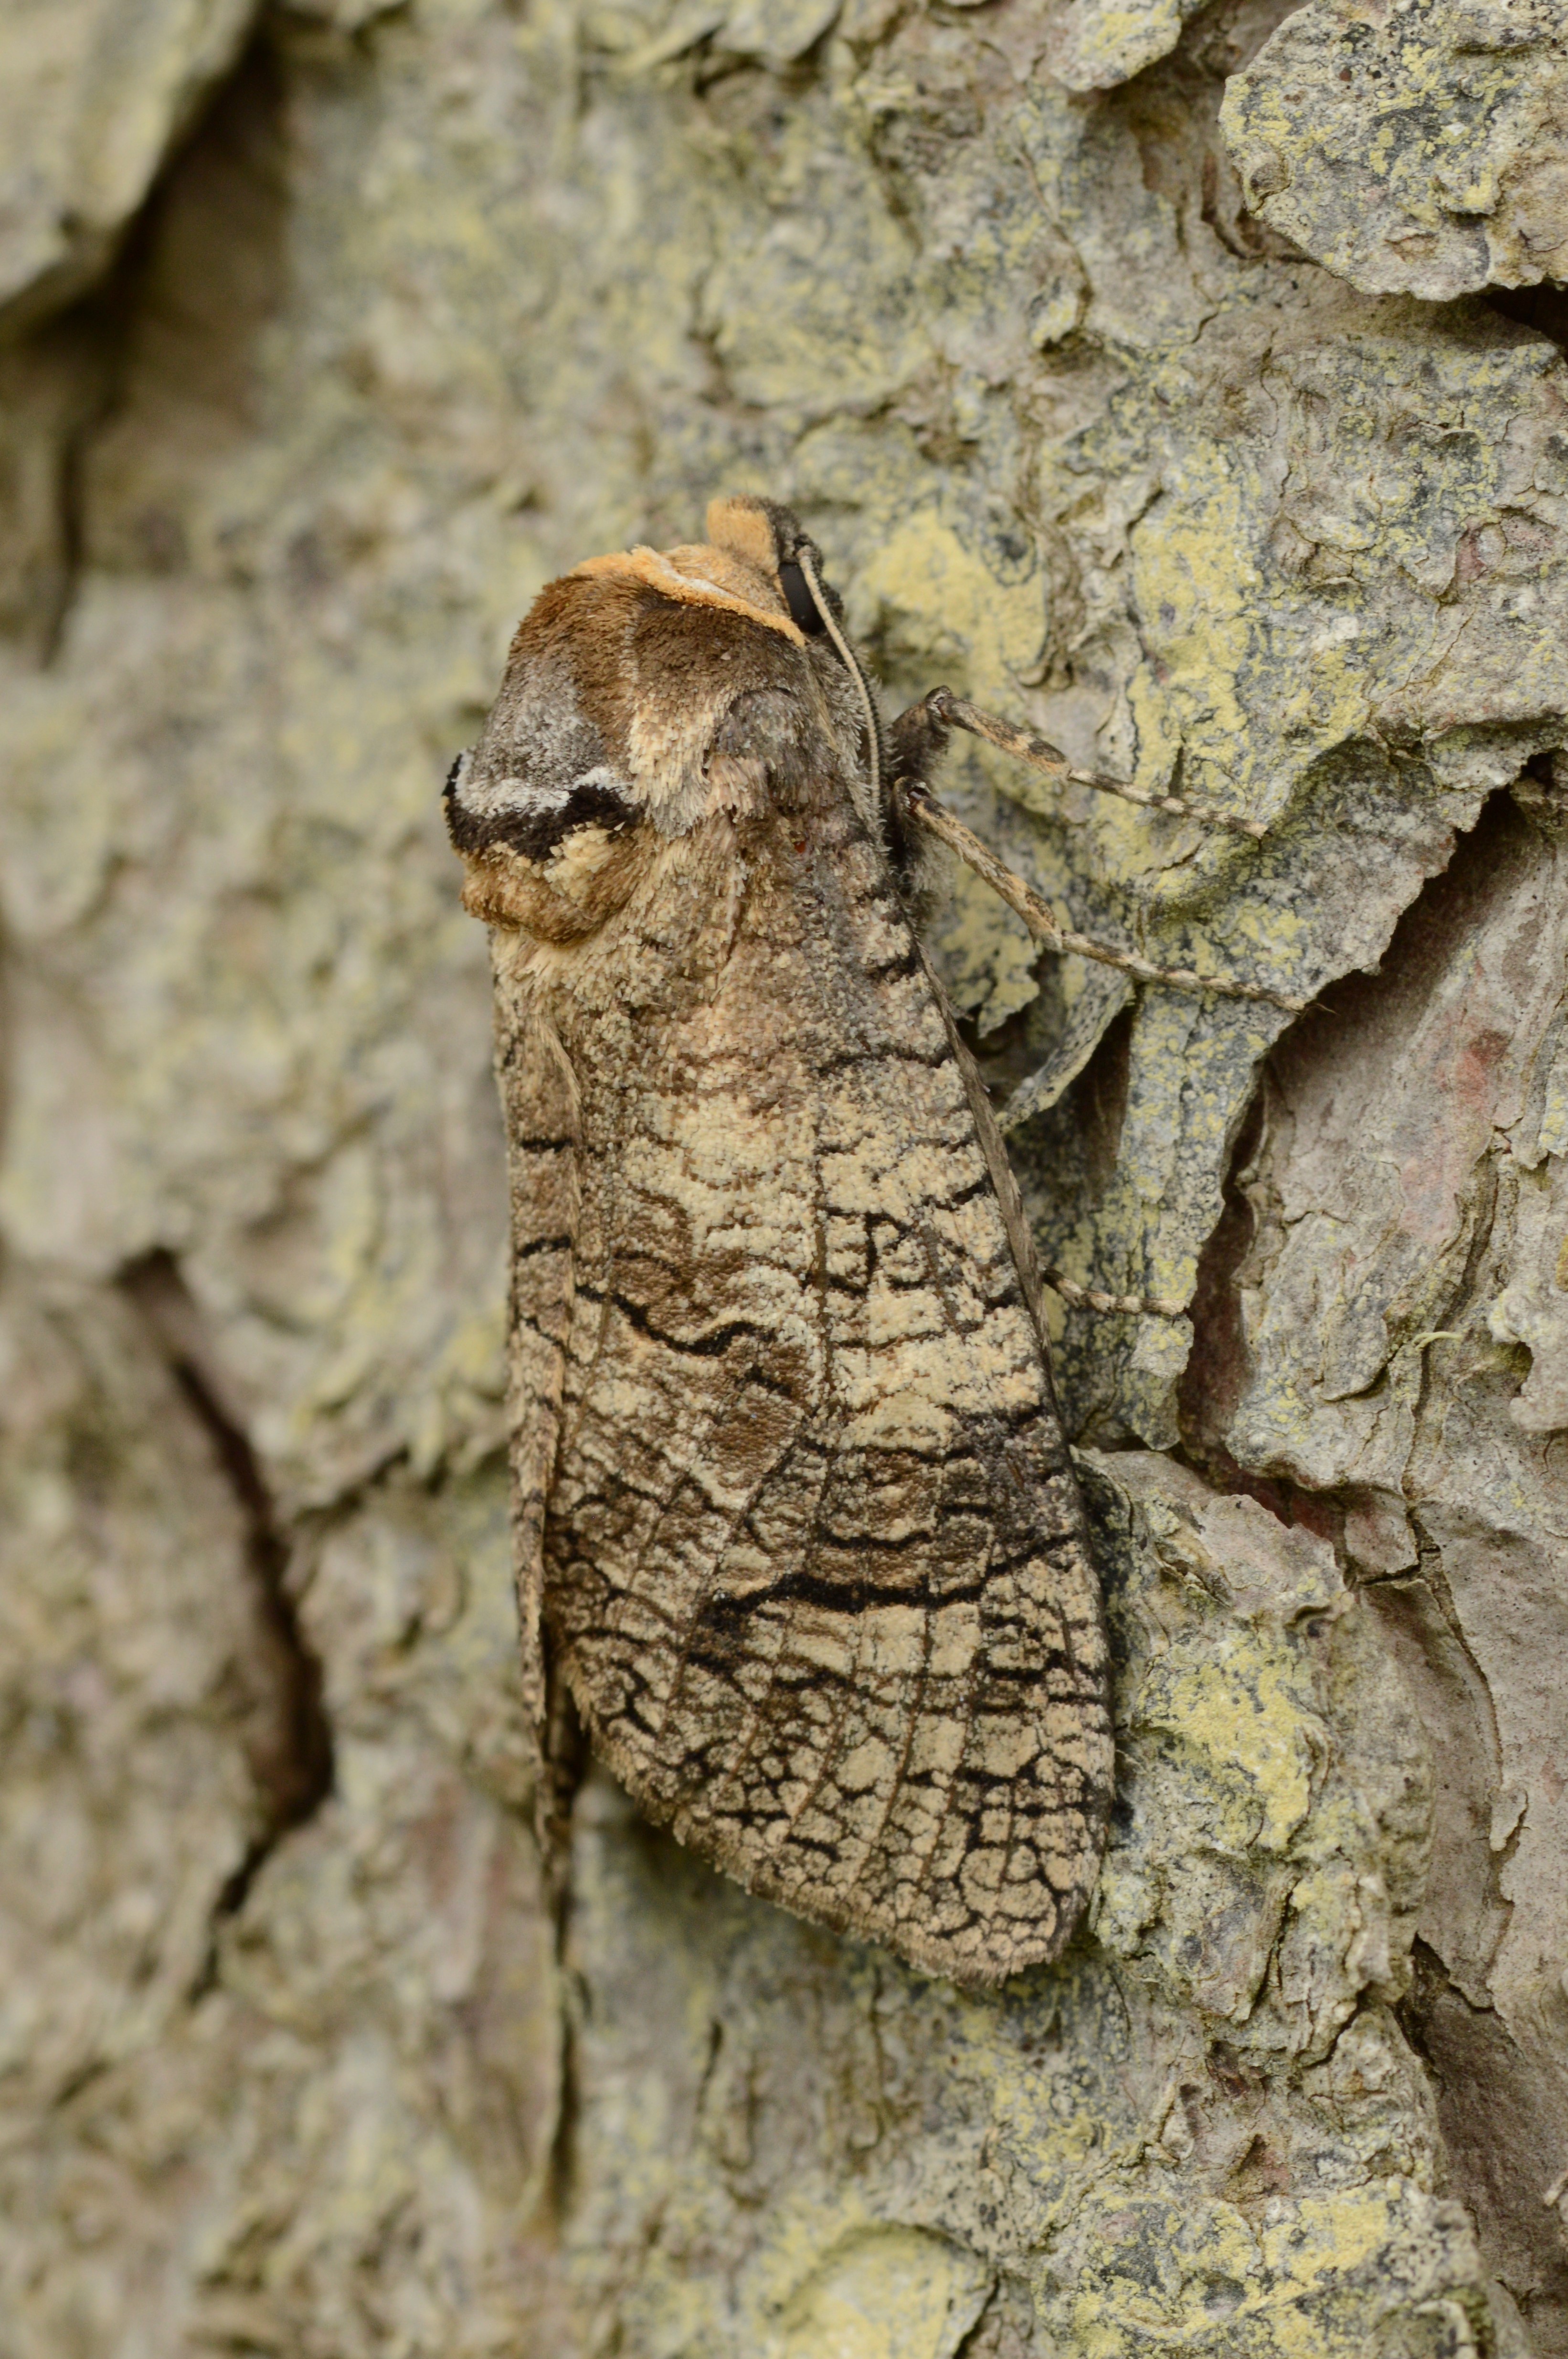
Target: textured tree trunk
{"x": 1217, "y": 426}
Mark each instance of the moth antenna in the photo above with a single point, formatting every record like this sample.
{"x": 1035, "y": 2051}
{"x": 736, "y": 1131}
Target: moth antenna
{"x": 1089, "y": 1298}
{"x": 1024, "y": 746}
{"x": 1038, "y": 916}
{"x": 873, "y": 718}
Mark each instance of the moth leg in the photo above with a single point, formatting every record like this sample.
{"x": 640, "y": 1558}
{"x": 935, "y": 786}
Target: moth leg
{"x": 921, "y": 807}
{"x": 945, "y": 710}
{"x": 1113, "y": 1305}
{"x": 917, "y": 739}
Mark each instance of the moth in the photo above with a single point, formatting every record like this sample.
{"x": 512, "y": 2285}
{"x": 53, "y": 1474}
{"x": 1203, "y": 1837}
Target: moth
{"x": 796, "y": 1525}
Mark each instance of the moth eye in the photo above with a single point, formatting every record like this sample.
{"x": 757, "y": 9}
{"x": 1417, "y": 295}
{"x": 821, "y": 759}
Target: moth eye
{"x": 799, "y": 598}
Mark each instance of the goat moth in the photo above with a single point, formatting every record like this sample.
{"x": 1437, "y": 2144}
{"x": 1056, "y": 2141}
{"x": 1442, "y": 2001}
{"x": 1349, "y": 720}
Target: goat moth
{"x": 795, "y": 1522}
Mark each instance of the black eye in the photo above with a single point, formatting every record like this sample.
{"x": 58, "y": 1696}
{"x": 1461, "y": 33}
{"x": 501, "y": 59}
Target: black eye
{"x": 799, "y": 598}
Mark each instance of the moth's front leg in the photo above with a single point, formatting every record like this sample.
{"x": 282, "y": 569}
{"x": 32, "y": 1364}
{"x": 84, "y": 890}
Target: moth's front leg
{"x": 916, "y": 741}
{"x": 926, "y": 725}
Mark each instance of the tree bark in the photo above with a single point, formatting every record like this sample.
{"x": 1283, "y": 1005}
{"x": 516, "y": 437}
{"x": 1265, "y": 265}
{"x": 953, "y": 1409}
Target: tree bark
{"x": 1184, "y": 384}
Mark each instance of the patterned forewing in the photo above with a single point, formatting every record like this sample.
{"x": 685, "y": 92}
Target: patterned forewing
{"x": 540, "y": 1106}
{"x": 814, "y": 1554}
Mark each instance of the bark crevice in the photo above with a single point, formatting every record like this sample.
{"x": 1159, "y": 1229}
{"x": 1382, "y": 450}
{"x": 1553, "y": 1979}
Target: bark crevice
{"x": 290, "y": 1748}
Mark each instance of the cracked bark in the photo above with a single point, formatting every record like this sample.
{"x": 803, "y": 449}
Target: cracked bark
{"x": 288, "y": 1737}
{"x": 433, "y": 303}
{"x": 1495, "y": 2051}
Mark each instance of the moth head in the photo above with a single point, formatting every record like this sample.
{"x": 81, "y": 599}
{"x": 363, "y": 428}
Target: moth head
{"x": 774, "y": 543}
{"x": 647, "y": 690}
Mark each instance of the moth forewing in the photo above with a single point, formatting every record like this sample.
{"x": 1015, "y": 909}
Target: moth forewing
{"x": 792, "y": 1493}
{"x": 539, "y": 1107}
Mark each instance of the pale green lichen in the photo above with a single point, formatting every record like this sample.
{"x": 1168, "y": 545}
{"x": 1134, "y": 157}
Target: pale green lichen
{"x": 883, "y": 2293}
{"x": 1423, "y": 151}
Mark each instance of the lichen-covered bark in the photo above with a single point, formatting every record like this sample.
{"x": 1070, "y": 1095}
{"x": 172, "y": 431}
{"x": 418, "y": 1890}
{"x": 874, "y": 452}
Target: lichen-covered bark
{"x": 1420, "y": 149}
{"x": 439, "y": 299}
